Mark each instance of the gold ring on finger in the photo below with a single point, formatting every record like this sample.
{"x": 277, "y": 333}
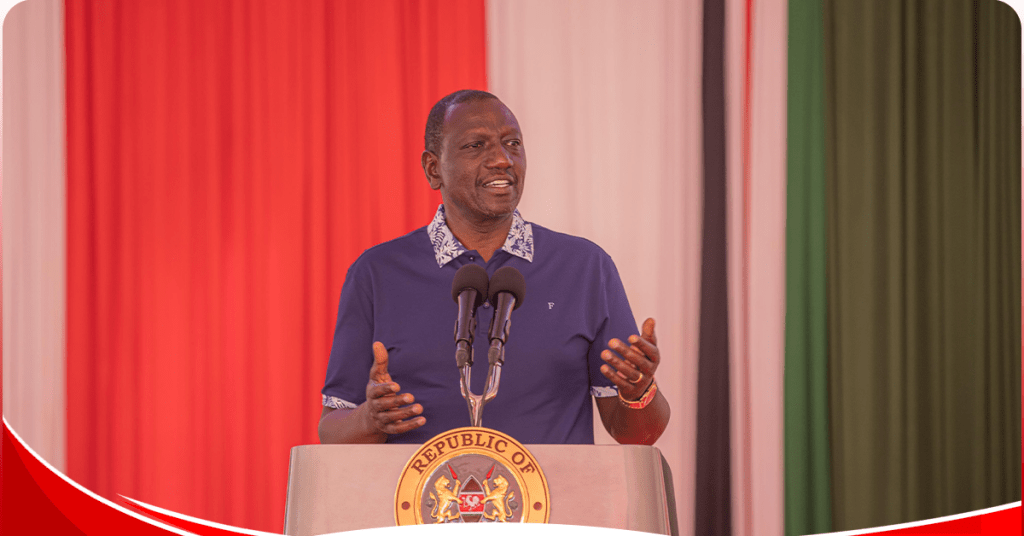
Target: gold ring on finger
{"x": 638, "y": 379}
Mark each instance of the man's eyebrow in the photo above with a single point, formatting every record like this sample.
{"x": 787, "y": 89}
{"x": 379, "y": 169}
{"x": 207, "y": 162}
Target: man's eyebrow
{"x": 511, "y": 131}
{"x": 483, "y": 131}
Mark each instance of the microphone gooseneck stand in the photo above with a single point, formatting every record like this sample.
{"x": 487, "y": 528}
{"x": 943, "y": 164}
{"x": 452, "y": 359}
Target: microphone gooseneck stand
{"x": 506, "y": 293}
{"x": 495, "y": 359}
{"x": 476, "y": 402}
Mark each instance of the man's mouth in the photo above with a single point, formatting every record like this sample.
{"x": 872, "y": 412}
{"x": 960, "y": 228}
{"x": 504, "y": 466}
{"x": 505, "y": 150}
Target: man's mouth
{"x": 498, "y": 183}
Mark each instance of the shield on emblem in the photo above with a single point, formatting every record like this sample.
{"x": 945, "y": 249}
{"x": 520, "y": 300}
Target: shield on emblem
{"x": 472, "y": 496}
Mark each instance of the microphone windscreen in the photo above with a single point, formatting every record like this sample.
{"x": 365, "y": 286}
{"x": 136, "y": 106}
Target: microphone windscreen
{"x": 471, "y": 276}
{"x": 508, "y": 279}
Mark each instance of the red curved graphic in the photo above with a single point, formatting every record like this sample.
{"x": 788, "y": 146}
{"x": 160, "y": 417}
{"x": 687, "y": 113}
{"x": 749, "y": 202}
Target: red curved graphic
{"x": 40, "y": 500}
{"x": 1002, "y": 520}
{"x": 192, "y": 524}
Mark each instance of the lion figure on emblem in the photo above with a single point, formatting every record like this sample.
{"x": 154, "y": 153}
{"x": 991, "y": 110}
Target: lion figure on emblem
{"x": 499, "y": 500}
{"x": 444, "y": 500}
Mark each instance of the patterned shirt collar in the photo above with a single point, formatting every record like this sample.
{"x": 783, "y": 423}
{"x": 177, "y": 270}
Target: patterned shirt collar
{"x": 447, "y": 247}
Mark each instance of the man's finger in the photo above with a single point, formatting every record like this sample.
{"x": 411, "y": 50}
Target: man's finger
{"x": 629, "y": 391}
{"x": 648, "y": 331}
{"x": 385, "y": 418}
{"x": 379, "y": 372}
{"x": 633, "y": 356}
{"x": 389, "y": 403}
{"x": 613, "y": 375}
{"x": 400, "y": 427}
{"x": 399, "y": 420}
{"x": 646, "y": 348}
{"x": 625, "y": 358}
{"x": 378, "y": 390}
{"x": 624, "y": 369}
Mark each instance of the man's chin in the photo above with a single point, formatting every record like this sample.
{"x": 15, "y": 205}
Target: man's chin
{"x": 501, "y": 212}
{"x": 500, "y": 208}
{"x": 491, "y": 210}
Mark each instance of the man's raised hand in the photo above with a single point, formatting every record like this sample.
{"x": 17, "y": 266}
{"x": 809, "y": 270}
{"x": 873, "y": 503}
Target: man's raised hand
{"x": 388, "y": 410}
{"x": 631, "y": 367}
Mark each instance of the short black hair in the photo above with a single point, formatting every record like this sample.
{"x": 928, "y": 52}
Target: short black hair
{"x": 435, "y": 120}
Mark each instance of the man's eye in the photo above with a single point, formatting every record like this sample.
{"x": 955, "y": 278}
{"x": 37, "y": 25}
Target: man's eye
{"x": 514, "y": 143}
{"x": 474, "y": 145}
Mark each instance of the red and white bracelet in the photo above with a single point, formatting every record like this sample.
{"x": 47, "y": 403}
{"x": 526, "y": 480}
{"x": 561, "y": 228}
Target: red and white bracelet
{"x": 644, "y": 399}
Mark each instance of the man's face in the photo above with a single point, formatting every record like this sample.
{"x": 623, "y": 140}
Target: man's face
{"x": 482, "y": 165}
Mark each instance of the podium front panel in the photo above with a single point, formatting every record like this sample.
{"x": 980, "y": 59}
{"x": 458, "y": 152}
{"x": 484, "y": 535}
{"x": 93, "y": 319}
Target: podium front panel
{"x": 349, "y": 487}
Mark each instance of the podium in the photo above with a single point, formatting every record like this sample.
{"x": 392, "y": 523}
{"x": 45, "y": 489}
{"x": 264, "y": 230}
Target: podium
{"x": 333, "y": 488}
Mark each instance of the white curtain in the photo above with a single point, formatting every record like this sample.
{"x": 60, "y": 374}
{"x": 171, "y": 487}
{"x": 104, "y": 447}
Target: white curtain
{"x": 608, "y": 95}
{"x": 33, "y": 232}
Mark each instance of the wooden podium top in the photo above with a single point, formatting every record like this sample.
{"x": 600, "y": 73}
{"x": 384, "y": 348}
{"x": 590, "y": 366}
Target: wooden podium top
{"x": 348, "y": 487}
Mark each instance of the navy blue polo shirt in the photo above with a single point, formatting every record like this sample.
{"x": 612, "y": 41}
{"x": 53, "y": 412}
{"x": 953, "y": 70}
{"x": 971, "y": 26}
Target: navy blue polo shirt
{"x": 399, "y": 293}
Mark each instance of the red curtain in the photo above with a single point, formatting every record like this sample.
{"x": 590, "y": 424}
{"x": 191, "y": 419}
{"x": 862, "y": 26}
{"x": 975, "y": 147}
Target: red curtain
{"x": 227, "y": 161}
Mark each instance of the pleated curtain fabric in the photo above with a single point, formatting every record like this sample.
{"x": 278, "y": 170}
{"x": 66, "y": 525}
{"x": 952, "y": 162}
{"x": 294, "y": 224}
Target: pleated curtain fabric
{"x": 923, "y": 280}
{"x": 807, "y": 456}
{"x": 618, "y": 153}
{"x": 755, "y": 111}
{"x": 608, "y": 94}
{"x": 713, "y": 510}
{"x": 34, "y": 228}
{"x": 227, "y": 161}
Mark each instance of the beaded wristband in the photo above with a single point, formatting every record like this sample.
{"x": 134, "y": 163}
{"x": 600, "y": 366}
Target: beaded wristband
{"x": 644, "y": 400}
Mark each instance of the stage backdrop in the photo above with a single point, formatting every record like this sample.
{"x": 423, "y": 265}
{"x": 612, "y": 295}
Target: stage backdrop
{"x": 226, "y": 161}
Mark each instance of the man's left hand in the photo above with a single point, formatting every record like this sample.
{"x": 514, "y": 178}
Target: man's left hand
{"x": 631, "y": 367}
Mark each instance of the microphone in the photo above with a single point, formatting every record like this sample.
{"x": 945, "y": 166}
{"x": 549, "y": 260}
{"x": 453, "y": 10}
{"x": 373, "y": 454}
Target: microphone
{"x": 469, "y": 289}
{"x": 507, "y": 290}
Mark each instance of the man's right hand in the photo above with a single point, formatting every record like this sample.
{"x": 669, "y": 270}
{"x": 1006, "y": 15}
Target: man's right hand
{"x": 386, "y": 410}
{"x": 389, "y": 411}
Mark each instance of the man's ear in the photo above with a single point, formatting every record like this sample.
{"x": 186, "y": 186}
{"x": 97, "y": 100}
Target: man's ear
{"x": 430, "y": 169}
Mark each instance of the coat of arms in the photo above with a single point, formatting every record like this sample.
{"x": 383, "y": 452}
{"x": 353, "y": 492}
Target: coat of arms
{"x": 471, "y": 475}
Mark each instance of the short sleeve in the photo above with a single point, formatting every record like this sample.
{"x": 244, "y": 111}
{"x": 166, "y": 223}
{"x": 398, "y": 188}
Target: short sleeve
{"x": 352, "y": 348}
{"x": 616, "y": 321}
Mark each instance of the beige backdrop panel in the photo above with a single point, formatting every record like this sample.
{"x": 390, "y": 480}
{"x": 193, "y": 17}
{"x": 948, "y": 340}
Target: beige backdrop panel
{"x": 756, "y": 170}
{"x": 767, "y": 277}
{"x": 608, "y": 96}
{"x": 33, "y": 226}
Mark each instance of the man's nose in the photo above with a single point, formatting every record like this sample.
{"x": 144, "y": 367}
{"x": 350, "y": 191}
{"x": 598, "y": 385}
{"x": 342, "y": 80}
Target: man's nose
{"x": 500, "y": 158}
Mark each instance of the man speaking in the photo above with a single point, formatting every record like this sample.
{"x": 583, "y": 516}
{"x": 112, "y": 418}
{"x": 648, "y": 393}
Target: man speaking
{"x": 392, "y": 376}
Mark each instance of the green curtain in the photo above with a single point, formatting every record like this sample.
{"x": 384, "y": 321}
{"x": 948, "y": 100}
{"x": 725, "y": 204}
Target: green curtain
{"x": 923, "y": 221}
{"x": 999, "y": 46}
{"x": 807, "y": 486}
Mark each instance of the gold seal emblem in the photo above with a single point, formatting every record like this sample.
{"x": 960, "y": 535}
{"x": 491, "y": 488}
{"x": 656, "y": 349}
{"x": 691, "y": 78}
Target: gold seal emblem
{"x": 471, "y": 475}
